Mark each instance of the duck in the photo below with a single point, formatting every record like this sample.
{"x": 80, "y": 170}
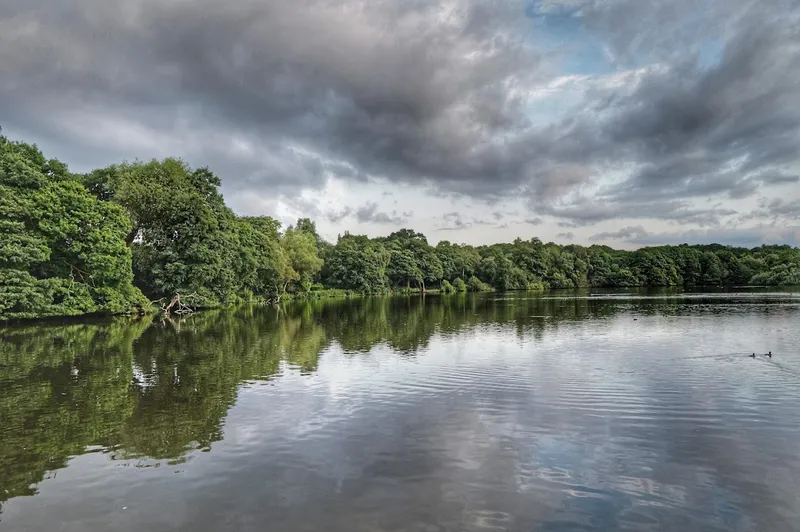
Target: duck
{"x": 768, "y": 354}
{"x": 753, "y": 355}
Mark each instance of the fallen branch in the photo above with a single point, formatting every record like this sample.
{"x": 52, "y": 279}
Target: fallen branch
{"x": 178, "y": 304}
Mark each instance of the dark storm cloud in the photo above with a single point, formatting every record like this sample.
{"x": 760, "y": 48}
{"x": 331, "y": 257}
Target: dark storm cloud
{"x": 501, "y": 215}
{"x": 404, "y": 90}
{"x": 284, "y": 94}
{"x": 778, "y": 178}
{"x": 626, "y": 233}
{"x": 732, "y": 236}
{"x": 699, "y": 131}
{"x": 369, "y": 213}
{"x": 534, "y": 221}
{"x": 454, "y": 221}
{"x": 775, "y": 210}
{"x": 741, "y": 237}
{"x": 305, "y": 206}
{"x": 586, "y": 211}
{"x": 688, "y": 128}
{"x": 338, "y": 216}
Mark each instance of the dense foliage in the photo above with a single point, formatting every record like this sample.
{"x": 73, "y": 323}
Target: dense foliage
{"x": 62, "y": 251}
{"x": 404, "y": 260}
{"x": 115, "y": 239}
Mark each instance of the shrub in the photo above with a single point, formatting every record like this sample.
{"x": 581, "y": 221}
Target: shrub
{"x": 459, "y": 285}
{"x": 476, "y": 285}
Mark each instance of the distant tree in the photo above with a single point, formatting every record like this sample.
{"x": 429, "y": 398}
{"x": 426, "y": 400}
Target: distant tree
{"x": 412, "y": 259}
{"x": 713, "y": 271}
{"x": 264, "y": 269}
{"x": 459, "y": 285}
{"x": 476, "y": 285}
{"x": 301, "y": 249}
{"x": 403, "y": 269}
{"x": 357, "y": 263}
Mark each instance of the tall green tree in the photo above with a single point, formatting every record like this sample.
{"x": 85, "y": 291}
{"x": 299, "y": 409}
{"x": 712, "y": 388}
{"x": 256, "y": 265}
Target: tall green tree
{"x": 300, "y": 247}
{"x": 263, "y": 267}
{"x": 357, "y": 263}
{"x": 185, "y": 239}
{"x": 62, "y": 251}
{"x": 403, "y": 269}
{"x": 407, "y": 245}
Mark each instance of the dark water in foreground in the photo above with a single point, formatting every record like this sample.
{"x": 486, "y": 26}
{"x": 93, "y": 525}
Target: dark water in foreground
{"x": 498, "y": 412}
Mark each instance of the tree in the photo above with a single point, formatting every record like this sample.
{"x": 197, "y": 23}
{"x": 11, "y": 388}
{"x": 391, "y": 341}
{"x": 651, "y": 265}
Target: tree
{"x": 689, "y": 265}
{"x": 357, "y": 263}
{"x": 263, "y": 265}
{"x": 647, "y": 265}
{"x": 62, "y": 251}
{"x": 414, "y": 259}
{"x": 476, "y": 285}
{"x": 185, "y": 240}
{"x": 530, "y": 257}
{"x": 456, "y": 260}
{"x": 300, "y": 248}
{"x": 403, "y": 269}
{"x": 459, "y": 285}
{"x": 713, "y": 271}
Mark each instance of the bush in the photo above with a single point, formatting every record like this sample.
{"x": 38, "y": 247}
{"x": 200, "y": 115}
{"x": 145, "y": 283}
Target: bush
{"x": 476, "y": 285}
{"x": 447, "y": 288}
{"x": 459, "y": 285}
{"x": 322, "y": 293}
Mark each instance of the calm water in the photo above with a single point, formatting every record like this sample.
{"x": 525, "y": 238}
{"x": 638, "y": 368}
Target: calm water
{"x": 636, "y": 411}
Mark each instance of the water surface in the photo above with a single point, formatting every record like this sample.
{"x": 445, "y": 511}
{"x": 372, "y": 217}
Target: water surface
{"x": 559, "y": 411}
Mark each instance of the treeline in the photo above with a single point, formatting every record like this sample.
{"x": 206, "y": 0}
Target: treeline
{"x": 118, "y": 239}
{"x": 405, "y": 259}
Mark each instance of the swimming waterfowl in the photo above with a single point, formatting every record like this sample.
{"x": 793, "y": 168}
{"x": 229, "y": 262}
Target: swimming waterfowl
{"x": 753, "y": 355}
{"x": 769, "y": 354}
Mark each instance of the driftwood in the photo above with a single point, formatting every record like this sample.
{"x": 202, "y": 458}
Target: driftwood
{"x": 177, "y": 305}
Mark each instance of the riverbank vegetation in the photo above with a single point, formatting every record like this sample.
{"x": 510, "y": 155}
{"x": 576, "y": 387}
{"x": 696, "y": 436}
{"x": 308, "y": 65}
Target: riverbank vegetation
{"x": 137, "y": 236}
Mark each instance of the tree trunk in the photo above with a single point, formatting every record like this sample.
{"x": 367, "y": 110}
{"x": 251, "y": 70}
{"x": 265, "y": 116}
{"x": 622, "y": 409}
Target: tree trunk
{"x": 179, "y": 305}
{"x": 130, "y": 237}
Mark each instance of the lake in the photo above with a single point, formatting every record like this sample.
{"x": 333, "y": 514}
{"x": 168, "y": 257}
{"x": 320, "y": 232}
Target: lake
{"x": 635, "y": 410}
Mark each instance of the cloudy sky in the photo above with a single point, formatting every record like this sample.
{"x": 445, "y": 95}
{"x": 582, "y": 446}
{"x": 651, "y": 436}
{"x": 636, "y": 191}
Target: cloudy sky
{"x": 625, "y": 122}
